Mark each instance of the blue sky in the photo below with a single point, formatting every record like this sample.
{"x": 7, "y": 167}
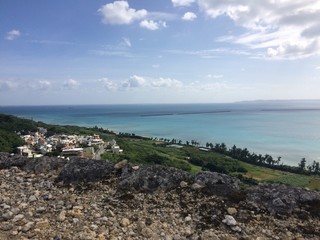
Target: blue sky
{"x": 168, "y": 51}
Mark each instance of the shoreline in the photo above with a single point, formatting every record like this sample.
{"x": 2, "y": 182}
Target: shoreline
{"x": 289, "y": 134}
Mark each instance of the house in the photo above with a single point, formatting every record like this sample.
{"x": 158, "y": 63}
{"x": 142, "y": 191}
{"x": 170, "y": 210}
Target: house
{"x": 72, "y": 152}
{"x": 116, "y": 149}
{"x": 46, "y": 148}
{"x": 95, "y": 140}
{"x": 24, "y": 151}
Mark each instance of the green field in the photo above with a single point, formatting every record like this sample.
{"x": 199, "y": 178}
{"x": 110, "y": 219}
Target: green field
{"x": 143, "y": 151}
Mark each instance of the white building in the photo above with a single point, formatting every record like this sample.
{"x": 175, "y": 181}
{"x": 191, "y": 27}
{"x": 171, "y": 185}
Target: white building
{"x": 116, "y": 149}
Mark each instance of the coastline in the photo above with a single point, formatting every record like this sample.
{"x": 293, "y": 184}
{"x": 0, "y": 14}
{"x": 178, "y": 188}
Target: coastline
{"x": 291, "y": 134}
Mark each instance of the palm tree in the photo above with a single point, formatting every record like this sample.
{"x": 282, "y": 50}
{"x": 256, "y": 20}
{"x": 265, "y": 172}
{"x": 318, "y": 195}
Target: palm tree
{"x": 302, "y": 164}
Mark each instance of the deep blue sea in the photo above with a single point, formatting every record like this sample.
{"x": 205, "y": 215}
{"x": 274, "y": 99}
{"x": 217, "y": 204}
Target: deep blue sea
{"x": 290, "y": 129}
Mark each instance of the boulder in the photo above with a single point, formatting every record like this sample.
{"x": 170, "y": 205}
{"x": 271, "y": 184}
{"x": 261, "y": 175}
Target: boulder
{"x": 44, "y": 164}
{"x": 79, "y": 170}
{"x": 281, "y": 199}
{"x": 8, "y": 161}
{"x": 152, "y": 178}
{"x": 37, "y": 165}
{"x": 217, "y": 183}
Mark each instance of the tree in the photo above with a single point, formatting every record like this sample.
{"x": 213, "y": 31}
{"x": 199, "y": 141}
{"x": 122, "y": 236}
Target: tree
{"x": 268, "y": 159}
{"x": 278, "y": 161}
{"x": 302, "y": 164}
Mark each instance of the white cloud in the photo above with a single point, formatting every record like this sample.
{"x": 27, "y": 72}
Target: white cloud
{"x": 126, "y": 42}
{"x": 134, "y": 82}
{"x": 71, "y": 84}
{"x": 162, "y": 16}
{"x": 13, "y": 34}
{"x": 108, "y": 84}
{"x": 189, "y": 16}
{"x": 44, "y": 84}
{"x": 283, "y": 29}
{"x": 211, "y": 53}
{"x": 217, "y": 76}
{"x": 167, "y": 82}
{"x": 181, "y": 3}
{"x": 39, "y": 85}
{"x": 318, "y": 68}
{"x": 7, "y": 85}
{"x": 121, "y": 49}
{"x": 152, "y": 25}
{"x": 213, "y": 86}
{"x": 119, "y": 12}
{"x": 50, "y": 42}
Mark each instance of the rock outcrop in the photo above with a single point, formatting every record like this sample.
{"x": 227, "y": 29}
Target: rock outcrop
{"x": 217, "y": 183}
{"x": 52, "y": 198}
{"x": 37, "y": 165}
{"x": 85, "y": 170}
{"x": 282, "y": 199}
{"x": 152, "y": 178}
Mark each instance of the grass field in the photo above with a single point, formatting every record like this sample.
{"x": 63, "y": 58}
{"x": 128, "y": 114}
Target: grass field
{"x": 151, "y": 152}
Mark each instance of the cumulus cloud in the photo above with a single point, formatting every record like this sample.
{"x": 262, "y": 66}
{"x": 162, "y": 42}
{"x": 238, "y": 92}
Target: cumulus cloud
{"x": 39, "y": 85}
{"x": 13, "y": 34}
{"x": 71, "y": 84}
{"x": 108, "y": 84}
{"x": 189, "y": 16}
{"x": 8, "y": 85}
{"x": 182, "y": 3}
{"x": 119, "y": 12}
{"x": 284, "y": 29}
{"x": 153, "y": 25}
{"x": 134, "y": 82}
{"x": 44, "y": 84}
{"x": 167, "y": 82}
{"x": 139, "y": 82}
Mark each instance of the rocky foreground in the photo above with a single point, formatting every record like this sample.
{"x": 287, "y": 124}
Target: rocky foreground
{"x": 52, "y": 198}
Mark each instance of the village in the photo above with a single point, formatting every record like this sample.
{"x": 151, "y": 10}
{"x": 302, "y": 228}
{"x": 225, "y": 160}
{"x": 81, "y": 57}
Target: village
{"x": 37, "y": 144}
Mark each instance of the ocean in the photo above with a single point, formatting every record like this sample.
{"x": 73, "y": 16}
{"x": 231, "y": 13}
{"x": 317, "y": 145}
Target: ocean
{"x": 290, "y": 129}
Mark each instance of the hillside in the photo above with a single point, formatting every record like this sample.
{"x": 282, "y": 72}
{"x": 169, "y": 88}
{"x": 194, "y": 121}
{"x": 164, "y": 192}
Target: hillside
{"x": 51, "y": 198}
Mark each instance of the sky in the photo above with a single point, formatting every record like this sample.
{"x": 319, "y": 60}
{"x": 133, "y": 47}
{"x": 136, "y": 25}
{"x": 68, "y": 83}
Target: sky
{"x": 148, "y": 51}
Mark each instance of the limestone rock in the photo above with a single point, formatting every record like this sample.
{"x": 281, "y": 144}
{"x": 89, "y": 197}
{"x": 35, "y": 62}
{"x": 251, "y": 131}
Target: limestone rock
{"x": 152, "y": 178}
{"x": 217, "y": 183}
{"x": 85, "y": 170}
{"x": 125, "y": 222}
{"x": 62, "y": 216}
{"x": 229, "y": 220}
{"x": 232, "y": 211}
{"x": 121, "y": 164}
{"x": 282, "y": 199}
{"x": 18, "y": 218}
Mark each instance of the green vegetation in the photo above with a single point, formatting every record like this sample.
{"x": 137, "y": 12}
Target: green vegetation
{"x": 25, "y": 126}
{"x": 249, "y": 168}
{"x": 192, "y": 159}
{"x": 146, "y": 151}
{"x": 9, "y": 141}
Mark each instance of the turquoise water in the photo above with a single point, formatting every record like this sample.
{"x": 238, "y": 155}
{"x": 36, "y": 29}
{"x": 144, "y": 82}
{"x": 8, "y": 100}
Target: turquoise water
{"x": 290, "y": 129}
